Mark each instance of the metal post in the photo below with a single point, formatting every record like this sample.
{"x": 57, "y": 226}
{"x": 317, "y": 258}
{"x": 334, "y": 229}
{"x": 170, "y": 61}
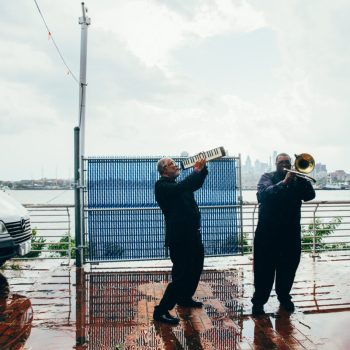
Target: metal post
{"x": 240, "y": 201}
{"x": 314, "y": 233}
{"x": 81, "y": 307}
{"x": 84, "y": 22}
{"x": 69, "y": 237}
{"x": 256, "y": 206}
{"x": 77, "y": 188}
{"x": 79, "y": 176}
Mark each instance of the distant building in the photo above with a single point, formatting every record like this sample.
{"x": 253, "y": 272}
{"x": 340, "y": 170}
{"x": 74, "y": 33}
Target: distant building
{"x": 274, "y": 156}
{"x": 251, "y": 173}
{"x": 261, "y": 167}
{"x": 320, "y": 171}
{"x": 339, "y": 176}
{"x": 247, "y": 167}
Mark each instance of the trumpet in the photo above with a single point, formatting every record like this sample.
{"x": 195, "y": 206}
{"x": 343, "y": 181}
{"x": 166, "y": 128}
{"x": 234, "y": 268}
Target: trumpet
{"x": 304, "y": 163}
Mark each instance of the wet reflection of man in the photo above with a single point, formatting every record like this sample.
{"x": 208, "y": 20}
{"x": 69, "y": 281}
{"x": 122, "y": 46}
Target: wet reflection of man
{"x": 284, "y": 325}
{"x": 16, "y": 316}
{"x": 4, "y": 293}
{"x": 265, "y": 337}
{"x": 171, "y": 341}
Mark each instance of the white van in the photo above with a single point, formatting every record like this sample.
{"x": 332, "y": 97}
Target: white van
{"x": 15, "y": 229}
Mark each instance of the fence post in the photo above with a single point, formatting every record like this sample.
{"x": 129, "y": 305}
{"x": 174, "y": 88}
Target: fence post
{"x": 314, "y": 255}
{"x": 240, "y": 201}
{"x": 256, "y": 206}
{"x": 80, "y": 309}
{"x": 77, "y": 189}
{"x": 69, "y": 236}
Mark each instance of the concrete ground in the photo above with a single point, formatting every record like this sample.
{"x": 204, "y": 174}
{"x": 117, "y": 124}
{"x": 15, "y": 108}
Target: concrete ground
{"x": 49, "y": 304}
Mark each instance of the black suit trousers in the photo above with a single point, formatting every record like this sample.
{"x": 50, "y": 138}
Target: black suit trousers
{"x": 275, "y": 264}
{"x": 188, "y": 260}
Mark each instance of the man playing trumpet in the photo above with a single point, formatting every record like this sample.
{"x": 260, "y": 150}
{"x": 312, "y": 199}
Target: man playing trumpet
{"x": 277, "y": 241}
{"x": 183, "y": 237}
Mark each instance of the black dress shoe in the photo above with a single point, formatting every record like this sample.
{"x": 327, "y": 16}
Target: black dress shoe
{"x": 164, "y": 317}
{"x": 258, "y": 310}
{"x": 288, "y": 305}
{"x": 190, "y": 303}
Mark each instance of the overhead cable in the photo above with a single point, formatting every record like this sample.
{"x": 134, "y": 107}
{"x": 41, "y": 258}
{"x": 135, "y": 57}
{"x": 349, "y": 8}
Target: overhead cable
{"x": 53, "y": 40}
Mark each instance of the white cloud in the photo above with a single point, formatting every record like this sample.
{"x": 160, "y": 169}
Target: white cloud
{"x": 221, "y": 16}
{"x": 12, "y": 54}
{"x": 168, "y": 76}
{"x": 22, "y": 108}
{"x": 151, "y": 30}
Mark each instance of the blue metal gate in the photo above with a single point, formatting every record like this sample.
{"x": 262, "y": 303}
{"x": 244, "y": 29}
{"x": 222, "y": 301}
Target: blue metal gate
{"x": 124, "y": 222}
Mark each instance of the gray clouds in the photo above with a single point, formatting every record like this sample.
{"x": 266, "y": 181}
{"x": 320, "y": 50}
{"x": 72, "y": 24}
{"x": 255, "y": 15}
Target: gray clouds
{"x": 169, "y": 76}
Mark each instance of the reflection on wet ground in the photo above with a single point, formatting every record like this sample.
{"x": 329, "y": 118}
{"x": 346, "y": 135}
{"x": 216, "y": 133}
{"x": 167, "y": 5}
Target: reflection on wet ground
{"x": 15, "y": 317}
{"x": 44, "y": 308}
{"x": 111, "y": 309}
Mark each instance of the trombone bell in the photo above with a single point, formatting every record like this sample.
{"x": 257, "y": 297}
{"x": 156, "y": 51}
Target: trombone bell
{"x": 304, "y": 163}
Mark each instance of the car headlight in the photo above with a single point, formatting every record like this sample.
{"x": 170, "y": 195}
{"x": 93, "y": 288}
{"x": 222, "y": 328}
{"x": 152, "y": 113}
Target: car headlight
{"x": 3, "y": 229}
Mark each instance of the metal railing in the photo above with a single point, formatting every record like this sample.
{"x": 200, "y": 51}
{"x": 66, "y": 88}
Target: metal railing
{"x": 52, "y": 231}
{"x": 325, "y": 227}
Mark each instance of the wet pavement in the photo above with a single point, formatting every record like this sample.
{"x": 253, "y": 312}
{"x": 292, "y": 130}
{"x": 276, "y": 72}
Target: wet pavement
{"x": 51, "y": 305}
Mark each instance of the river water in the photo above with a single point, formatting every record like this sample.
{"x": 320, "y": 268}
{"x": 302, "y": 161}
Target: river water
{"x": 67, "y": 196}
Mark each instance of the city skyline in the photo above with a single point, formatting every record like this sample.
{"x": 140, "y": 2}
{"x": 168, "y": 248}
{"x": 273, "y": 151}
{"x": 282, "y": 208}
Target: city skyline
{"x": 69, "y": 173}
{"x": 262, "y": 166}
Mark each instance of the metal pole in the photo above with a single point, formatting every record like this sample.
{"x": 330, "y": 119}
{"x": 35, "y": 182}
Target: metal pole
{"x": 314, "y": 233}
{"x": 81, "y": 307}
{"x": 84, "y": 22}
{"x": 77, "y": 188}
{"x": 240, "y": 200}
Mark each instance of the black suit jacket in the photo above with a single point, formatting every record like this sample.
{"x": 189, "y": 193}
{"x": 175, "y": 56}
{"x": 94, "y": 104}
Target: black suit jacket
{"x": 279, "y": 207}
{"x": 176, "y": 200}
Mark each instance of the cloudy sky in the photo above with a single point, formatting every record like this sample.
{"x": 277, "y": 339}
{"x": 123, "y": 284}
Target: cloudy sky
{"x": 167, "y": 76}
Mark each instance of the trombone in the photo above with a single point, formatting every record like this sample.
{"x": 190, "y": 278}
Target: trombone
{"x": 304, "y": 163}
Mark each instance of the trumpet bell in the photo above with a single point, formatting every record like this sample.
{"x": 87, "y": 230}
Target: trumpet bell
{"x": 304, "y": 163}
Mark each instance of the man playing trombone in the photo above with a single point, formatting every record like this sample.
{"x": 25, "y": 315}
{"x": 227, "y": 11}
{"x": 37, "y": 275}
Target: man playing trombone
{"x": 277, "y": 241}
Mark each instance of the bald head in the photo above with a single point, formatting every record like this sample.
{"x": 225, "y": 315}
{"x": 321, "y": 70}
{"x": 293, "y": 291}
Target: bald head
{"x": 161, "y": 164}
{"x": 167, "y": 167}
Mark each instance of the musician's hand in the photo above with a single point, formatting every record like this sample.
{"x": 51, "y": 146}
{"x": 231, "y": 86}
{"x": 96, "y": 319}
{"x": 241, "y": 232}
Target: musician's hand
{"x": 289, "y": 177}
{"x": 200, "y": 164}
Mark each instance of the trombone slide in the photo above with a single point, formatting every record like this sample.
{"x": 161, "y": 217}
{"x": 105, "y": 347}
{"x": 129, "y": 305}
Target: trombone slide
{"x": 303, "y": 176}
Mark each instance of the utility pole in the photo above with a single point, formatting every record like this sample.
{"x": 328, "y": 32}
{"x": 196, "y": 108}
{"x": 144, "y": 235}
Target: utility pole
{"x": 84, "y": 21}
{"x": 79, "y": 143}
{"x": 79, "y": 152}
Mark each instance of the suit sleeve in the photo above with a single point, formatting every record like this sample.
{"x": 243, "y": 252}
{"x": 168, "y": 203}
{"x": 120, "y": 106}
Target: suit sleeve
{"x": 191, "y": 183}
{"x": 305, "y": 189}
{"x": 268, "y": 190}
